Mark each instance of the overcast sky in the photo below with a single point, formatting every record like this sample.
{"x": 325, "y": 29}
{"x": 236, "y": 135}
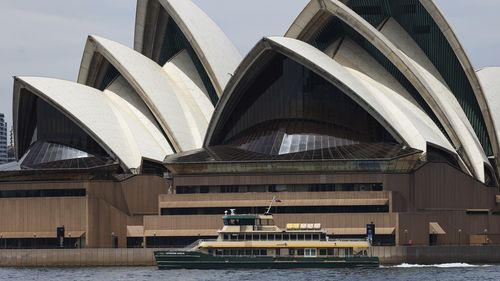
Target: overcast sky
{"x": 46, "y": 38}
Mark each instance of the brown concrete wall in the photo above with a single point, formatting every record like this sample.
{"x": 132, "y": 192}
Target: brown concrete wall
{"x": 43, "y": 214}
{"x": 297, "y": 198}
{"x": 417, "y": 225}
{"x": 76, "y": 257}
{"x": 437, "y": 254}
{"x": 141, "y": 193}
{"x": 442, "y": 187}
{"x": 277, "y": 179}
{"x": 104, "y": 221}
{"x": 327, "y": 220}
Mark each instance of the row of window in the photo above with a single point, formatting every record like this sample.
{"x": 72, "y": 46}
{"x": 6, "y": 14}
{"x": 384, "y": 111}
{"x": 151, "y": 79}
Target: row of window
{"x": 275, "y": 209}
{"x": 332, "y": 187}
{"x": 301, "y": 252}
{"x": 42, "y": 193}
{"x": 275, "y": 237}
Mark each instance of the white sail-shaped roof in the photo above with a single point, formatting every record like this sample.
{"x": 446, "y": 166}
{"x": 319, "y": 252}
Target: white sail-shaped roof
{"x": 411, "y": 62}
{"x": 406, "y": 122}
{"x": 183, "y": 121}
{"x": 216, "y": 52}
{"x": 105, "y": 118}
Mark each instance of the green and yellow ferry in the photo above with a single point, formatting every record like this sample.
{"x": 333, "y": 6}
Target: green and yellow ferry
{"x": 254, "y": 241}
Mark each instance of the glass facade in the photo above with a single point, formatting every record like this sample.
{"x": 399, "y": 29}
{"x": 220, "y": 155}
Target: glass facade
{"x": 42, "y": 193}
{"x": 287, "y": 108}
{"x": 277, "y": 210}
{"x": 333, "y": 187}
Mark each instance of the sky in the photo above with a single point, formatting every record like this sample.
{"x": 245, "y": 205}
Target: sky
{"x": 46, "y": 38}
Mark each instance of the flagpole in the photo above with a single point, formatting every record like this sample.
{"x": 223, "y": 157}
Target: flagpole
{"x": 270, "y": 206}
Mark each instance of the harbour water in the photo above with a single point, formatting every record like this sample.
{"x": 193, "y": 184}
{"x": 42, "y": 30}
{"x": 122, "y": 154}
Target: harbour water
{"x": 441, "y": 272}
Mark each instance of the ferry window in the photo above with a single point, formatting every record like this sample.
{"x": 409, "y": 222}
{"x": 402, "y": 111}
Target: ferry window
{"x": 226, "y": 237}
{"x": 241, "y": 237}
{"x": 255, "y": 237}
{"x": 234, "y": 252}
{"x": 270, "y": 237}
{"x": 301, "y": 236}
{"x": 300, "y": 252}
{"x": 256, "y": 252}
{"x": 291, "y": 252}
{"x": 218, "y": 252}
{"x": 279, "y": 237}
{"x": 233, "y": 237}
{"x": 341, "y": 253}
{"x": 315, "y": 236}
{"x": 286, "y": 237}
{"x": 330, "y": 252}
{"x": 293, "y": 237}
{"x": 323, "y": 236}
{"x": 248, "y": 252}
{"x": 322, "y": 252}
{"x": 226, "y": 252}
{"x": 263, "y": 252}
{"x": 263, "y": 237}
{"x": 247, "y": 222}
{"x": 308, "y": 237}
{"x": 310, "y": 252}
{"x": 349, "y": 251}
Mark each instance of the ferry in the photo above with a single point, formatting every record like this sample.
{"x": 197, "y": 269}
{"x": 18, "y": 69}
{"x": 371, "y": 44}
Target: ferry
{"x": 254, "y": 241}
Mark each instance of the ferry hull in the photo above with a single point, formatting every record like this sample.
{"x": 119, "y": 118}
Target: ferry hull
{"x": 196, "y": 260}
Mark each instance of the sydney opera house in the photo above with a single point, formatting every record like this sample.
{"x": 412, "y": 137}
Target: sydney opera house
{"x": 364, "y": 111}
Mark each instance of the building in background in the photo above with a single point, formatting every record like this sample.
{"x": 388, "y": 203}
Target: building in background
{"x": 3, "y": 140}
{"x": 11, "y": 152}
{"x": 365, "y": 111}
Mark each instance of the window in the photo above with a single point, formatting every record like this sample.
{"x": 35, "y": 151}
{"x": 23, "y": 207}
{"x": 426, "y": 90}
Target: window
{"x": 291, "y": 252}
{"x": 322, "y": 252}
{"x": 310, "y": 253}
{"x": 42, "y": 193}
{"x": 301, "y": 237}
{"x": 300, "y": 252}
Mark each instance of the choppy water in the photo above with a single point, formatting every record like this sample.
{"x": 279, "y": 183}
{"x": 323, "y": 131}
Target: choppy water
{"x": 401, "y": 272}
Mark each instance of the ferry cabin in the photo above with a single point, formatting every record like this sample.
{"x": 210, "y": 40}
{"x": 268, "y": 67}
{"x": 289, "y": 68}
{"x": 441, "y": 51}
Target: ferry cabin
{"x": 250, "y": 235}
